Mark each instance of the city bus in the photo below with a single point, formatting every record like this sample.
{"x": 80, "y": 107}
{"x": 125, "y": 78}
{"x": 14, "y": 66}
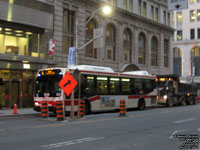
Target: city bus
{"x": 100, "y": 87}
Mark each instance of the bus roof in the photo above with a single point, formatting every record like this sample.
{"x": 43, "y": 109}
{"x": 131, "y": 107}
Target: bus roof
{"x": 92, "y": 68}
{"x": 143, "y": 73}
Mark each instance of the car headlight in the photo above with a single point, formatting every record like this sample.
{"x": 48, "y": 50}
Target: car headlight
{"x": 165, "y": 97}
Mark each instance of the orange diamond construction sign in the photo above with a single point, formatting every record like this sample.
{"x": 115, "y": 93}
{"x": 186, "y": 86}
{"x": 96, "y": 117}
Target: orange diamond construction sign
{"x": 68, "y": 83}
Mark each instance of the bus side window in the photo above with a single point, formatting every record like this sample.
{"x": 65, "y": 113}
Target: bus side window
{"x": 114, "y": 85}
{"x": 137, "y": 86}
{"x": 102, "y": 85}
{"x": 148, "y": 86}
{"x": 88, "y": 86}
{"x": 125, "y": 86}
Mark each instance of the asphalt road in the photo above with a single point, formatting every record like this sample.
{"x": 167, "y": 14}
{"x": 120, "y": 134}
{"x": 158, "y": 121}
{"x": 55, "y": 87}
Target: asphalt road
{"x": 152, "y": 129}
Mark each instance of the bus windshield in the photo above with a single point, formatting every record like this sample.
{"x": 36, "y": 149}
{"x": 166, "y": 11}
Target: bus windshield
{"x": 48, "y": 84}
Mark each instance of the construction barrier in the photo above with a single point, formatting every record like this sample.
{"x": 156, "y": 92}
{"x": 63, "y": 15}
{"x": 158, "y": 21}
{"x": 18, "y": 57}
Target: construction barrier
{"x": 44, "y": 109}
{"x": 59, "y": 111}
{"x": 81, "y": 108}
{"x": 15, "y": 109}
{"x": 122, "y": 108}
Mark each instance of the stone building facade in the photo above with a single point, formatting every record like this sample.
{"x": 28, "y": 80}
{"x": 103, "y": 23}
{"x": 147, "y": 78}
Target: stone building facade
{"x": 137, "y": 36}
{"x": 150, "y": 24}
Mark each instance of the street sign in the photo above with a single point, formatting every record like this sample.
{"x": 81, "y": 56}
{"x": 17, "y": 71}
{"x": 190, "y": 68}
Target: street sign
{"x": 72, "y": 56}
{"x": 68, "y": 83}
{"x": 98, "y": 35}
{"x": 177, "y": 4}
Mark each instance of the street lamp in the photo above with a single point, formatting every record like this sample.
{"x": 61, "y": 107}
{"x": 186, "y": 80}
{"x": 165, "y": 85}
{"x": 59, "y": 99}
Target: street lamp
{"x": 106, "y": 10}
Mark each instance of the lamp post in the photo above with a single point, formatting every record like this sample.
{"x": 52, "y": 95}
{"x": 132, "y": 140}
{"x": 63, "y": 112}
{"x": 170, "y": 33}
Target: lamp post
{"x": 73, "y": 51}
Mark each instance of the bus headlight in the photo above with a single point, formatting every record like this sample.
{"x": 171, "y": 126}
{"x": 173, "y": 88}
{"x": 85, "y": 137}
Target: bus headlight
{"x": 165, "y": 97}
{"x": 37, "y": 104}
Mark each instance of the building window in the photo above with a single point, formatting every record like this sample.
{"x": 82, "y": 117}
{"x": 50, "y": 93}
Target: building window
{"x": 179, "y": 18}
{"x": 168, "y": 19}
{"x": 198, "y": 14}
{"x": 90, "y": 51}
{"x": 125, "y": 4}
{"x": 165, "y": 17}
{"x": 173, "y": 18}
{"x": 127, "y": 45}
{"x": 152, "y": 12}
{"x": 110, "y": 42}
{"x": 192, "y": 15}
{"x": 145, "y": 9}
{"x": 157, "y": 15}
{"x": 131, "y": 5}
{"x": 154, "y": 48}
{"x": 195, "y": 62}
{"x": 198, "y": 32}
{"x": 115, "y": 2}
{"x": 68, "y": 30}
{"x": 192, "y": 34}
{"x": 166, "y": 51}
{"x": 179, "y": 35}
{"x": 22, "y": 40}
{"x": 139, "y": 7}
{"x": 141, "y": 49}
{"x": 191, "y": 1}
{"x": 177, "y": 57}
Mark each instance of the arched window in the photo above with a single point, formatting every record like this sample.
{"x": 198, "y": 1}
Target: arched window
{"x": 195, "y": 62}
{"x": 177, "y": 59}
{"x": 127, "y": 45}
{"x": 154, "y": 49}
{"x": 141, "y": 49}
{"x": 110, "y": 42}
{"x": 90, "y": 50}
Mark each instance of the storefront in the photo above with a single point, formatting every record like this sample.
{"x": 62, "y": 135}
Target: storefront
{"x": 16, "y": 87}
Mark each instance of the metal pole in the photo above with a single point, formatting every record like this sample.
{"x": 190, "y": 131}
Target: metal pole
{"x": 72, "y": 106}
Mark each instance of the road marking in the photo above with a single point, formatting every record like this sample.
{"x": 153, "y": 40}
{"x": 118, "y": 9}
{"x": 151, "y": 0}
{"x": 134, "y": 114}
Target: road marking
{"x": 78, "y": 141}
{"x": 1, "y": 122}
{"x": 185, "y": 120}
{"x": 177, "y": 131}
{"x": 198, "y": 130}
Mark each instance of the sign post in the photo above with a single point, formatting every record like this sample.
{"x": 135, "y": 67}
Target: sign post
{"x": 68, "y": 83}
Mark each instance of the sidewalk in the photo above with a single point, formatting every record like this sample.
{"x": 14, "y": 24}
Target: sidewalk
{"x": 21, "y": 112}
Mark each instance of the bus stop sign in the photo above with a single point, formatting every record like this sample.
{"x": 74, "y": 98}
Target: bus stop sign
{"x": 68, "y": 83}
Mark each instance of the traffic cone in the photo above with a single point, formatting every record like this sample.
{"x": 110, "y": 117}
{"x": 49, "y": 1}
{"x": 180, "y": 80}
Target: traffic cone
{"x": 15, "y": 109}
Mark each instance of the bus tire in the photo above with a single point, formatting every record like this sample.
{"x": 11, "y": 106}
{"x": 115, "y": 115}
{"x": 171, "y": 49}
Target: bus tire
{"x": 170, "y": 102}
{"x": 141, "y": 104}
{"x": 87, "y": 107}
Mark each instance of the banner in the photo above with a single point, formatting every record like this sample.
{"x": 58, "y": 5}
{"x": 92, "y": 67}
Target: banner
{"x": 72, "y": 56}
{"x": 51, "y": 46}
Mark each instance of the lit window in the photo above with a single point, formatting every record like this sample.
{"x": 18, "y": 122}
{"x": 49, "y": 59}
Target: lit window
{"x": 179, "y": 18}
{"x": 145, "y": 9}
{"x": 179, "y": 35}
{"x": 198, "y": 15}
{"x": 191, "y": 1}
{"x": 192, "y": 15}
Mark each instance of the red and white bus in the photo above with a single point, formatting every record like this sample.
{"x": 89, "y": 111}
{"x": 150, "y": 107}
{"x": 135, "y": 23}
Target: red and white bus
{"x": 100, "y": 87}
